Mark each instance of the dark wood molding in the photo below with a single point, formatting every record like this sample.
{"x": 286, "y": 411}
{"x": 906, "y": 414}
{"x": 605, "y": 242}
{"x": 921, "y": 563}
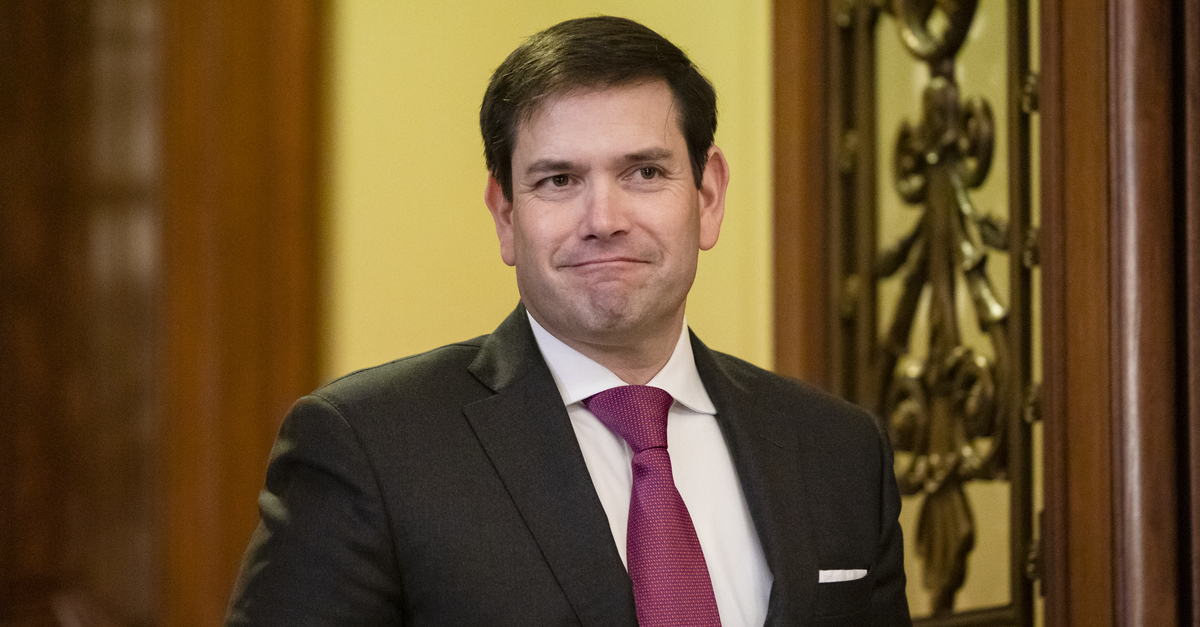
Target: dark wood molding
{"x": 241, "y": 259}
{"x": 802, "y": 261}
{"x": 1110, "y": 315}
{"x": 1142, "y": 305}
{"x": 1076, "y": 314}
{"x": 1191, "y": 185}
{"x": 1052, "y": 246}
{"x": 1020, "y": 325}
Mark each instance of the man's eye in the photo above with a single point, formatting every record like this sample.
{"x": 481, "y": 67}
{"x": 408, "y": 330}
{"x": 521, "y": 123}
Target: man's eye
{"x": 560, "y": 180}
{"x": 649, "y": 172}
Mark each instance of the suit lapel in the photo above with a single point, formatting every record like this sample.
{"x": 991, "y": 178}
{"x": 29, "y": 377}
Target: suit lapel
{"x": 527, "y": 434}
{"x": 764, "y": 447}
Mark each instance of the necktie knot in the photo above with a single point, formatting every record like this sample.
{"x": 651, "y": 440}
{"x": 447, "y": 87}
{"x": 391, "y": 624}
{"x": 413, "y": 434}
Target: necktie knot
{"x": 638, "y": 413}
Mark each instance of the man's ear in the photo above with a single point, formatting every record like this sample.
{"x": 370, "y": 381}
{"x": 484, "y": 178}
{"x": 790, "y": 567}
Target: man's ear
{"x": 502, "y": 215}
{"x": 712, "y": 197}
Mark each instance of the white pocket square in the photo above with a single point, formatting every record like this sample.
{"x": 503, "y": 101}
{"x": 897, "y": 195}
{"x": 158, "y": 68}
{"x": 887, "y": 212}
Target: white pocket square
{"x": 832, "y": 576}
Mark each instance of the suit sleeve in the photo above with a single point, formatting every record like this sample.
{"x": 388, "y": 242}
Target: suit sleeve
{"x": 889, "y": 604}
{"x": 322, "y": 554}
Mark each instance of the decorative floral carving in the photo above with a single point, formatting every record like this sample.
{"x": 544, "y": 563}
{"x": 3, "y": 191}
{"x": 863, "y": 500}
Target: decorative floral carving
{"x": 948, "y": 409}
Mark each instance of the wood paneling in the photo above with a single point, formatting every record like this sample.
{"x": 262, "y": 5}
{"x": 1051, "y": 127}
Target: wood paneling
{"x": 802, "y": 260}
{"x": 38, "y": 320}
{"x": 75, "y": 330}
{"x": 241, "y": 261}
{"x": 159, "y": 273}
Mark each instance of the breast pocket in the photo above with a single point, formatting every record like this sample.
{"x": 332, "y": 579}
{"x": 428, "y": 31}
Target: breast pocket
{"x": 843, "y": 602}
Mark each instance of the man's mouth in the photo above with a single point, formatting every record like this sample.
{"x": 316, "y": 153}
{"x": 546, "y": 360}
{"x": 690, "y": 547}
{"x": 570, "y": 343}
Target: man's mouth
{"x": 603, "y": 261}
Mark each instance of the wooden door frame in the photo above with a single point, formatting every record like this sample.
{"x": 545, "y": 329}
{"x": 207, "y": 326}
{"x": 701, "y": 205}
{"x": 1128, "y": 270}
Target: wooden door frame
{"x": 243, "y": 88}
{"x": 803, "y": 271}
{"x": 1109, "y": 316}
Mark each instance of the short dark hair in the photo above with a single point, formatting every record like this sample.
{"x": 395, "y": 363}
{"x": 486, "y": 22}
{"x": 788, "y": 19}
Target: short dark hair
{"x": 591, "y": 53}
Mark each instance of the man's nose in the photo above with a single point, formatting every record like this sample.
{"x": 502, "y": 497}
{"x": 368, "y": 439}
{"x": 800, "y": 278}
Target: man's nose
{"x": 606, "y": 213}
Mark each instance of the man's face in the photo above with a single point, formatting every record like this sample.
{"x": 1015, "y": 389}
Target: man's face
{"x": 606, "y": 223}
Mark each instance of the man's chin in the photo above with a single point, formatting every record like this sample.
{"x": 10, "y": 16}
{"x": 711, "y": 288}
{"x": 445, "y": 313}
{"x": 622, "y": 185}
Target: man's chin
{"x": 604, "y": 322}
{"x": 593, "y": 325}
{"x": 605, "y": 317}
{"x": 615, "y": 325}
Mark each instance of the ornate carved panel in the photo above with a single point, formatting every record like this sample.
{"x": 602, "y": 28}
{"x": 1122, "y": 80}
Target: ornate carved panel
{"x": 934, "y": 257}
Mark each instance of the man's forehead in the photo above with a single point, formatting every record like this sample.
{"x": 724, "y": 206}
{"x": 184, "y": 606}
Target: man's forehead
{"x": 540, "y": 102}
{"x": 559, "y": 111}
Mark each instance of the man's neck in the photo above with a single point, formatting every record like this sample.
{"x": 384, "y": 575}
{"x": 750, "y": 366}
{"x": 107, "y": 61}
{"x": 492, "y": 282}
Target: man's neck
{"x": 635, "y": 360}
{"x": 633, "y": 367}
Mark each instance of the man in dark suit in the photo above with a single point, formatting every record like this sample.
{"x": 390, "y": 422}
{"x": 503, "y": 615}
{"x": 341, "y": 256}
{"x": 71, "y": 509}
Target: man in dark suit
{"x": 507, "y": 480}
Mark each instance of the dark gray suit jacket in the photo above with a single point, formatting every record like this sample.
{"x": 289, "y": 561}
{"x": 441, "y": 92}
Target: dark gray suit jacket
{"x": 448, "y": 488}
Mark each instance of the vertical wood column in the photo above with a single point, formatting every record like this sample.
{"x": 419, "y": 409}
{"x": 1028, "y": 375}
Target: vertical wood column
{"x": 1077, "y": 320}
{"x": 240, "y": 303}
{"x": 1110, "y": 316}
{"x": 802, "y": 259}
{"x": 1191, "y": 186}
{"x": 1145, "y": 405}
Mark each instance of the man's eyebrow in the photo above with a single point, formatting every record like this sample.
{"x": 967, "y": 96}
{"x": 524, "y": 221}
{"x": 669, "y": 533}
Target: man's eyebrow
{"x": 543, "y": 166}
{"x": 650, "y": 154}
{"x": 551, "y": 165}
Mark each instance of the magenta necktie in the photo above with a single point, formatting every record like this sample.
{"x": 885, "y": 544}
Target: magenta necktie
{"x": 671, "y": 586}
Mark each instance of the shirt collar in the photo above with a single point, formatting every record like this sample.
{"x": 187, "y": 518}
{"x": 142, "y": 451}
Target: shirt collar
{"x": 578, "y": 376}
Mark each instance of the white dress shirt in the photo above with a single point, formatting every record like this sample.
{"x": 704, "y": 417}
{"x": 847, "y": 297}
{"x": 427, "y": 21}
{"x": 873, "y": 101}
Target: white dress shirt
{"x": 700, "y": 461}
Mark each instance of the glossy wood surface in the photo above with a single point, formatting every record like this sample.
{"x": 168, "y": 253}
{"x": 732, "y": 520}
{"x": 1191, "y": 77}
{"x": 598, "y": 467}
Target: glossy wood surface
{"x": 1076, "y": 316}
{"x": 802, "y": 270}
{"x": 241, "y": 262}
{"x": 1143, "y": 332}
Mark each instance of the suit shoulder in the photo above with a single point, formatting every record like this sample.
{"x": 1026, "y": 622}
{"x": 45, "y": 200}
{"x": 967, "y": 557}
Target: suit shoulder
{"x": 433, "y": 373}
{"x": 803, "y": 401}
{"x": 778, "y": 386}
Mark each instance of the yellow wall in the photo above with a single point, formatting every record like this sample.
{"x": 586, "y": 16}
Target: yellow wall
{"x": 413, "y": 258}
